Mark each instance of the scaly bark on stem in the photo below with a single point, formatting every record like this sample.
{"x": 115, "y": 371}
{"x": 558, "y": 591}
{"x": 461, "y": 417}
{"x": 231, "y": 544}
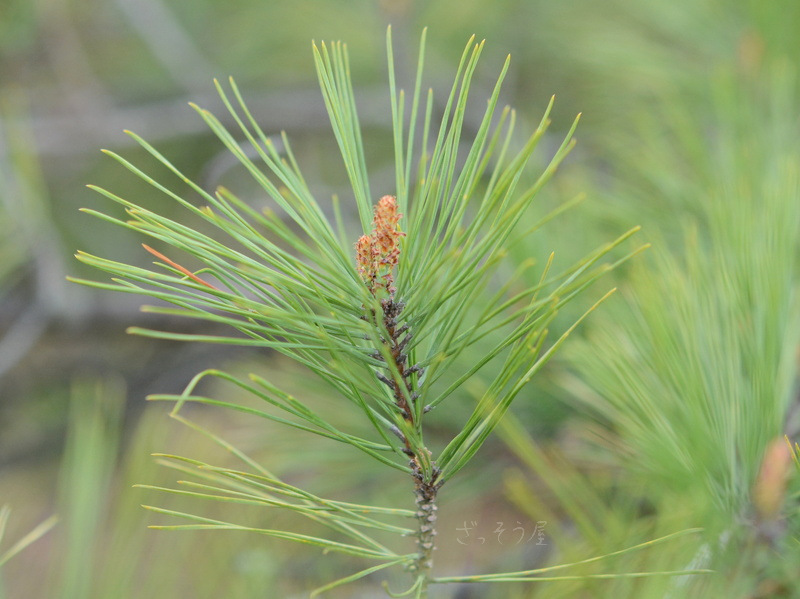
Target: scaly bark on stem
{"x": 425, "y": 497}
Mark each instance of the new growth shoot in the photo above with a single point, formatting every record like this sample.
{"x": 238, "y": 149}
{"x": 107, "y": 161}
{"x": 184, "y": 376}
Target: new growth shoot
{"x": 377, "y": 255}
{"x": 392, "y": 332}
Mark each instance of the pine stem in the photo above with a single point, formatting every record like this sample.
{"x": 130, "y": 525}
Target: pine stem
{"x": 425, "y": 487}
{"x": 425, "y": 497}
{"x": 376, "y": 257}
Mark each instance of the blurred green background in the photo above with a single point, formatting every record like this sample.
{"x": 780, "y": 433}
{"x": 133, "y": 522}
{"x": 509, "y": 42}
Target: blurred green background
{"x": 656, "y": 420}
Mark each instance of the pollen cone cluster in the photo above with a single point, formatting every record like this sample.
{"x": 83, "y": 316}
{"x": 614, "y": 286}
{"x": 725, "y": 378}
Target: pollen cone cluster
{"x": 377, "y": 254}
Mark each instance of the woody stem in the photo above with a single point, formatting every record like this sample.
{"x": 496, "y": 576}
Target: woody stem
{"x": 424, "y": 490}
{"x": 402, "y": 388}
{"x": 425, "y": 497}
